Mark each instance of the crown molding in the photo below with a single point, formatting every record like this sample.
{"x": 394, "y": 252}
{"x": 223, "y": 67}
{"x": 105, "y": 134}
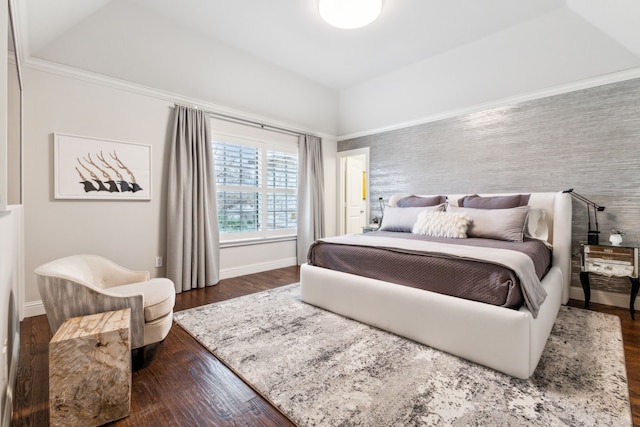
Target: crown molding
{"x": 171, "y": 97}
{"x": 87, "y": 76}
{"x": 544, "y": 93}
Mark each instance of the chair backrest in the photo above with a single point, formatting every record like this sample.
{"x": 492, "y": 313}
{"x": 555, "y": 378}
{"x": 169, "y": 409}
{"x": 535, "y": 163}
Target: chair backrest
{"x": 91, "y": 270}
{"x": 77, "y": 286}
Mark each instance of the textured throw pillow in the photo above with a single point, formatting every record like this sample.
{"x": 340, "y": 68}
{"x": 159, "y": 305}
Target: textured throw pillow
{"x": 442, "y": 224}
{"x": 494, "y": 202}
{"x": 418, "y": 201}
{"x": 499, "y": 224}
{"x": 536, "y": 226}
{"x": 403, "y": 219}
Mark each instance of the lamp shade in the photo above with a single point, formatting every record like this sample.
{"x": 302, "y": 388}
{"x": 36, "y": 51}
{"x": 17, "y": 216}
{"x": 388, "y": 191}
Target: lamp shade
{"x": 349, "y": 14}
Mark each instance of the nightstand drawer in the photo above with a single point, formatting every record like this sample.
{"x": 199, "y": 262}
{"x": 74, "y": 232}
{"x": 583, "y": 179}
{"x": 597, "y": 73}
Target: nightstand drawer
{"x": 610, "y": 269}
{"x": 607, "y": 253}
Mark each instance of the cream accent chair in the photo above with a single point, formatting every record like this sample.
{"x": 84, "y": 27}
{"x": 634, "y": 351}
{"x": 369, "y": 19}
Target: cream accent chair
{"x": 79, "y": 285}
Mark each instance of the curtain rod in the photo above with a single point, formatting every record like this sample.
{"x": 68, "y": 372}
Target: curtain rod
{"x": 244, "y": 121}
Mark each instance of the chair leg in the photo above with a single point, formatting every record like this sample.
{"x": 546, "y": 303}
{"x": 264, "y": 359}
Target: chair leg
{"x": 137, "y": 358}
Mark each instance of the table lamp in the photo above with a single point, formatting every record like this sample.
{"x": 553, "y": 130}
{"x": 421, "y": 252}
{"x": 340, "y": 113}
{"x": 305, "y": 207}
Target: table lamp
{"x": 592, "y": 235}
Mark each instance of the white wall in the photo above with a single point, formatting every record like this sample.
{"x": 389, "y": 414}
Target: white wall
{"x": 148, "y": 49}
{"x": 11, "y": 262}
{"x": 3, "y": 108}
{"x": 11, "y": 285}
{"x": 131, "y": 233}
{"x": 486, "y": 70}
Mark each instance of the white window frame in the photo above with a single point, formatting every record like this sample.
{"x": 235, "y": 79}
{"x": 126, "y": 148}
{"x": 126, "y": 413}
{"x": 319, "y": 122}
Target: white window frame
{"x": 264, "y": 140}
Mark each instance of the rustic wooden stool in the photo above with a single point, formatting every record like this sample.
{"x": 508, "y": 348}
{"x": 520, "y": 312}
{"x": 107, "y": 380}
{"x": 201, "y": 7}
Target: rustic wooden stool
{"x": 90, "y": 370}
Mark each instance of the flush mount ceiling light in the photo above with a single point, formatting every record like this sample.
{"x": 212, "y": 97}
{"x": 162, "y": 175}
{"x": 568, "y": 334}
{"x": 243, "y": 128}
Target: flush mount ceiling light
{"x": 349, "y": 14}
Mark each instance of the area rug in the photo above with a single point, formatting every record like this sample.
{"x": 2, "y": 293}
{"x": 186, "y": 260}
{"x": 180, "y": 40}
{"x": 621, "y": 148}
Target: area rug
{"x": 322, "y": 369}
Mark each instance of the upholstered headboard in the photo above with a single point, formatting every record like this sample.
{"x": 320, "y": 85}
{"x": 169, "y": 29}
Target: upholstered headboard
{"x": 557, "y": 207}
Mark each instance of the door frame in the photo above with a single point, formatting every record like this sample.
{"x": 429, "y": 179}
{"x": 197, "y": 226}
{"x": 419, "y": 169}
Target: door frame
{"x": 341, "y": 159}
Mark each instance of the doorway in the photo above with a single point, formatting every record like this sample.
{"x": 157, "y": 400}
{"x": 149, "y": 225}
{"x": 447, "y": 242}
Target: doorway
{"x": 353, "y": 177}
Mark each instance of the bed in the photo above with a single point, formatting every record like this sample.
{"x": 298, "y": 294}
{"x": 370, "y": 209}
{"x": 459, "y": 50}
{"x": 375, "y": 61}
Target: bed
{"x": 509, "y": 340}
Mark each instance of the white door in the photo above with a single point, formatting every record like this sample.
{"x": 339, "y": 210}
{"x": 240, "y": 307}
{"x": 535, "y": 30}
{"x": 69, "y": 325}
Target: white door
{"x": 354, "y": 191}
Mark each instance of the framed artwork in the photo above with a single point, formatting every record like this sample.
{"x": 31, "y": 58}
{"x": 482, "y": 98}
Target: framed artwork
{"x": 92, "y": 168}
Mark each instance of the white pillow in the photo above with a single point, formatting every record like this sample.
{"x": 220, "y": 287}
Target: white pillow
{"x": 403, "y": 219}
{"x": 536, "y": 226}
{"x": 442, "y": 224}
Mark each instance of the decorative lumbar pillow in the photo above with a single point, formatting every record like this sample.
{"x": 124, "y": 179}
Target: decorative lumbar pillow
{"x": 442, "y": 224}
{"x": 403, "y": 219}
{"x": 536, "y": 226}
{"x": 494, "y": 202}
{"x": 418, "y": 201}
{"x": 499, "y": 224}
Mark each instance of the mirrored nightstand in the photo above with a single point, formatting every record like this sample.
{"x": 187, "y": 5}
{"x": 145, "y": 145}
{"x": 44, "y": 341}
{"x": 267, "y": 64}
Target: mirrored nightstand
{"x": 607, "y": 260}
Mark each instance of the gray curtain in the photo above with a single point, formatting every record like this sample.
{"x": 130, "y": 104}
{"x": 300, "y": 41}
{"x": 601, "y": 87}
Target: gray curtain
{"x": 310, "y": 194}
{"x": 193, "y": 254}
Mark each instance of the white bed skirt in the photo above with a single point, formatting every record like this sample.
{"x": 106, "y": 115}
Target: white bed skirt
{"x": 510, "y": 341}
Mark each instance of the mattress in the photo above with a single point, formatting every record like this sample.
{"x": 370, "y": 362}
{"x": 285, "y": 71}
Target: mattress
{"x": 475, "y": 280}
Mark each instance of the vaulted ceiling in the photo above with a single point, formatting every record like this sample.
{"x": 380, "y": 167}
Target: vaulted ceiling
{"x": 126, "y": 38}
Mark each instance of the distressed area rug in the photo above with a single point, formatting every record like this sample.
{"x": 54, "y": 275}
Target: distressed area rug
{"x": 322, "y": 369}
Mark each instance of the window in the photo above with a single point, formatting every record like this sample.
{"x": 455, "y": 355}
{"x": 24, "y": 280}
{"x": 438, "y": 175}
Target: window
{"x": 256, "y": 179}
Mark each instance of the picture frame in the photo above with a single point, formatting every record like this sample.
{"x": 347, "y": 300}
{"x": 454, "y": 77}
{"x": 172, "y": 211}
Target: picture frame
{"x": 92, "y": 168}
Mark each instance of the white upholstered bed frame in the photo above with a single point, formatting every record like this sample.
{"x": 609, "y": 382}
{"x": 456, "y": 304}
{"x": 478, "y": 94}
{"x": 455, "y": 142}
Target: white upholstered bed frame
{"x": 510, "y": 341}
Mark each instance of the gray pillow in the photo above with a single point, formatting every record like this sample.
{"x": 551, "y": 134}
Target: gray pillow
{"x": 418, "y": 201}
{"x": 403, "y": 219}
{"x": 499, "y": 224}
{"x": 494, "y": 202}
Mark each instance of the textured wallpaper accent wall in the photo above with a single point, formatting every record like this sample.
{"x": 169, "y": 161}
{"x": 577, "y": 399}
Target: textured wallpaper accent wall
{"x": 588, "y": 140}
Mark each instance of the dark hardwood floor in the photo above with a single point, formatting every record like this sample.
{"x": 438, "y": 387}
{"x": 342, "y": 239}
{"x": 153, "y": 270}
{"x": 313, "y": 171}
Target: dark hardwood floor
{"x": 182, "y": 384}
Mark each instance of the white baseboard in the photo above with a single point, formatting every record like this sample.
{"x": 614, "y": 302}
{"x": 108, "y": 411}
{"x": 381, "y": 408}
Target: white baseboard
{"x": 257, "y": 268}
{"x": 33, "y": 308}
{"x": 615, "y": 299}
